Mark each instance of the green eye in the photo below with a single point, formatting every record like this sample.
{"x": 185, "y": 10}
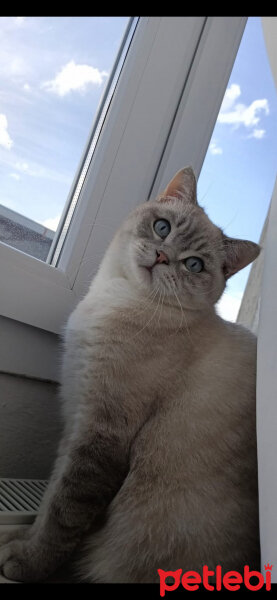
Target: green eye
{"x": 194, "y": 264}
{"x": 162, "y": 227}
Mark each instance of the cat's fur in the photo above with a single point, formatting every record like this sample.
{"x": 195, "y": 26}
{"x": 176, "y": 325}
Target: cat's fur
{"x": 157, "y": 468}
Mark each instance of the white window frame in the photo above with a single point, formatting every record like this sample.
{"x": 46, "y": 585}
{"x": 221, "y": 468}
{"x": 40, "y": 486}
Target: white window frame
{"x": 161, "y": 118}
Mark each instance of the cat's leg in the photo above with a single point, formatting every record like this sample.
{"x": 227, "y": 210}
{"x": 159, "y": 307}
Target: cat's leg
{"x": 16, "y": 532}
{"x": 92, "y": 473}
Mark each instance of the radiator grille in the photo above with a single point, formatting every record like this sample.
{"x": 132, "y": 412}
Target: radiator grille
{"x": 20, "y": 499}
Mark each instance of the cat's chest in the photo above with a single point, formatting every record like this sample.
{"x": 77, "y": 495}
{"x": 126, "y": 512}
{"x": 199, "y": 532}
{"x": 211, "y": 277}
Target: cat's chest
{"x": 199, "y": 423}
{"x": 159, "y": 363}
{"x": 199, "y": 389}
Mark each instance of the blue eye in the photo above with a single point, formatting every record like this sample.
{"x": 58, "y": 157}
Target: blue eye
{"x": 162, "y": 228}
{"x": 194, "y": 264}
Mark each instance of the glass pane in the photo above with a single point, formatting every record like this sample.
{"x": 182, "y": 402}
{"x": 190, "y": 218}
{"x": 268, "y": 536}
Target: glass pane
{"x": 54, "y": 71}
{"x": 238, "y": 175}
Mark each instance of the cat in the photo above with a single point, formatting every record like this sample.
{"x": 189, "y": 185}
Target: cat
{"x": 157, "y": 467}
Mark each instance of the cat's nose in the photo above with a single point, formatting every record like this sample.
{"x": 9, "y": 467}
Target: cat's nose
{"x": 161, "y": 257}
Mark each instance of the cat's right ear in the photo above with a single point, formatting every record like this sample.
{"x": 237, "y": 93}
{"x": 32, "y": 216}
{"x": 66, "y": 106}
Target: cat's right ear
{"x": 181, "y": 186}
{"x": 239, "y": 254}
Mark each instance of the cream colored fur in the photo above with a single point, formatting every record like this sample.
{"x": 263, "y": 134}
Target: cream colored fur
{"x": 190, "y": 496}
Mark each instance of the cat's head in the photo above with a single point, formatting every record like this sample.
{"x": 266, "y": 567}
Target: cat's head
{"x": 171, "y": 245}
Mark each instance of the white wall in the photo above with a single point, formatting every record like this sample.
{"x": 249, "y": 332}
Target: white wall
{"x": 30, "y": 427}
{"x": 30, "y": 423}
{"x": 249, "y": 311}
{"x": 266, "y": 396}
{"x": 267, "y": 364}
{"x": 29, "y": 351}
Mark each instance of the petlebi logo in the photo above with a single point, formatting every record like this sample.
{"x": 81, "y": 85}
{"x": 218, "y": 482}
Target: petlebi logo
{"x": 232, "y": 580}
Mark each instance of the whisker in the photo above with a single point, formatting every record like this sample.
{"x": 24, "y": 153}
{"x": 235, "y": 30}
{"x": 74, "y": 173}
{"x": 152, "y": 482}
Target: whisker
{"x": 183, "y": 316}
{"x": 150, "y": 318}
{"x": 146, "y": 304}
{"x": 202, "y": 293}
{"x": 182, "y": 312}
{"x": 161, "y": 309}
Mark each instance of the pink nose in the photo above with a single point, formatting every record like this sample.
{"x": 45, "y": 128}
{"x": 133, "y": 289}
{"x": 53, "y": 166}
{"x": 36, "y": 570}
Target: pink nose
{"x": 161, "y": 258}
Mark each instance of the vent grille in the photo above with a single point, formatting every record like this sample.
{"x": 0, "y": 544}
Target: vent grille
{"x": 20, "y": 499}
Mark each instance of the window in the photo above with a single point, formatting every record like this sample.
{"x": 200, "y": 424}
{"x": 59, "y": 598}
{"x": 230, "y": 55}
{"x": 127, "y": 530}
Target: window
{"x": 238, "y": 175}
{"x": 54, "y": 72}
{"x": 160, "y": 116}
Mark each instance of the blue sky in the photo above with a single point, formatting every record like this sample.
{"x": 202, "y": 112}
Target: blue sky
{"x": 53, "y": 73}
{"x": 238, "y": 175}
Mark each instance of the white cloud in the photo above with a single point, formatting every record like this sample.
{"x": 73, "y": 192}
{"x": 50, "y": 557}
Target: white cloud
{"x": 231, "y": 94}
{"x": 257, "y": 133}
{"x": 17, "y": 66}
{"x": 34, "y": 169}
{"x": 26, "y": 87}
{"x": 74, "y": 77}
{"x": 214, "y": 148}
{"x": 15, "y": 163}
{"x": 5, "y": 138}
{"x": 228, "y": 306}
{"x": 239, "y": 114}
{"x": 13, "y": 65}
{"x": 22, "y": 166}
{"x": 52, "y": 223}
{"x": 15, "y": 176}
{"x": 245, "y": 115}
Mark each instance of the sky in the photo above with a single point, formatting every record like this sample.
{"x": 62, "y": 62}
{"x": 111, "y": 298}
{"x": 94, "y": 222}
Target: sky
{"x": 53, "y": 71}
{"x": 239, "y": 171}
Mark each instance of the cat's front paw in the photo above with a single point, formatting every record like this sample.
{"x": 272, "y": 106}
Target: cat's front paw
{"x": 14, "y": 533}
{"x": 16, "y": 562}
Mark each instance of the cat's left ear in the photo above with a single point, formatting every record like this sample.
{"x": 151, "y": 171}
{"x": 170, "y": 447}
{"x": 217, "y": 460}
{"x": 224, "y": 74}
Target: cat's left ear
{"x": 239, "y": 253}
{"x": 182, "y": 186}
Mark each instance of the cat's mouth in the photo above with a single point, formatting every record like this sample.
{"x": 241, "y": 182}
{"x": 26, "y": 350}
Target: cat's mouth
{"x": 144, "y": 268}
{"x": 161, "y": 257}
{"x": 150, "y": 269}
{"x": 146, "y": 273}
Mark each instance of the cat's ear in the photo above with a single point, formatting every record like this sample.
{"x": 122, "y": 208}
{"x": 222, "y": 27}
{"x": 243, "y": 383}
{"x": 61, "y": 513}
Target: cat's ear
{"x": 182, "y": 186}
{"x": 239, "y": 253}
